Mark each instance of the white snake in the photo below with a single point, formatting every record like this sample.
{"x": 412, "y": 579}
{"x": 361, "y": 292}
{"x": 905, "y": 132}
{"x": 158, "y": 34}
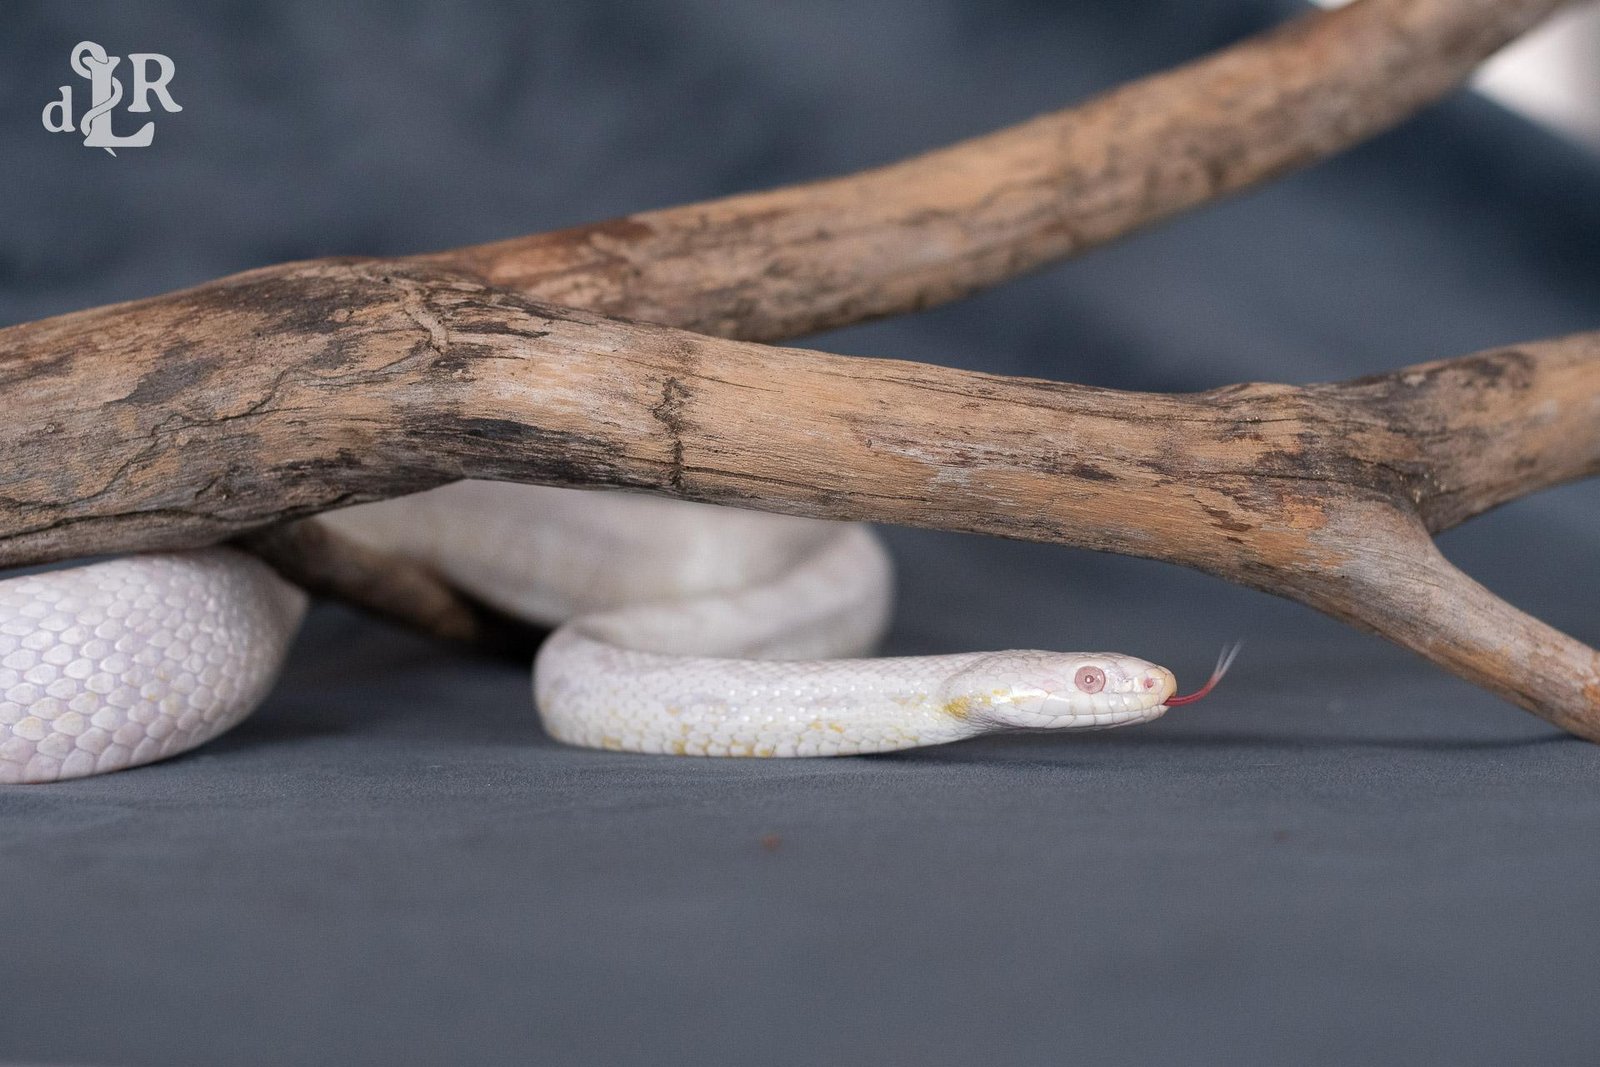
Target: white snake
{"x": 685, "y": 629}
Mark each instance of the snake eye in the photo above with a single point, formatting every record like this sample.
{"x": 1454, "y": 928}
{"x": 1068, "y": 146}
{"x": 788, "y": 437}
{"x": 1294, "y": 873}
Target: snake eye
{"x": 1089, "y": 679}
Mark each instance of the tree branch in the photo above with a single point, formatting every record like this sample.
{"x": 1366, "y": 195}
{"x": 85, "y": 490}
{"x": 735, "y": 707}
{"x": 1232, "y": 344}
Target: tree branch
{"x": 324, "y": 562}
{"x": 792, "y": 261}
{"x": 200, "y": 415}
{"x": 250, "y": 401}
{"x": 778, "y": 264}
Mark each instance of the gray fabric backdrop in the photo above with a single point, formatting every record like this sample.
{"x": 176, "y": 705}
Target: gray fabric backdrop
{"x": 1344, "y": 856}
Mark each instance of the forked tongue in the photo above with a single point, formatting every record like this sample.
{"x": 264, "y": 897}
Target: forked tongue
{"x": 1224, "y": 661}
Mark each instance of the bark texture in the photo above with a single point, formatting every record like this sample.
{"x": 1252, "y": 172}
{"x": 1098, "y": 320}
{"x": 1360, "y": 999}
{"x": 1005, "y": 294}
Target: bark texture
{"x": 351, "y": 381}
{"x": 774, "y": 265}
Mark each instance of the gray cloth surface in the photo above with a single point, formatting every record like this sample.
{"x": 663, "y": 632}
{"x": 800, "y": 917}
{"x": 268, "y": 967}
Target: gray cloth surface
{"x": 1343, "y": 856}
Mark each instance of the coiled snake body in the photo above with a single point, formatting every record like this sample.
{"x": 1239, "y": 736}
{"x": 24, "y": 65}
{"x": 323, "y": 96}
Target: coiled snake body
{"x": 684, "y": 629}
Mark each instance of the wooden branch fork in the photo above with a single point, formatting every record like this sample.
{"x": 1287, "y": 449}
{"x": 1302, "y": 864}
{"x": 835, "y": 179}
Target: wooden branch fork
{"x": 230, "y": 409}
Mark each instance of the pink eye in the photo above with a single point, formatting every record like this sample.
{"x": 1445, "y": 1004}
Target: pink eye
{"x": 1089, "y": 679}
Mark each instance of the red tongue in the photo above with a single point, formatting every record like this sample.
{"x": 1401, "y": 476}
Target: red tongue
{"x": 1224, "y": 661}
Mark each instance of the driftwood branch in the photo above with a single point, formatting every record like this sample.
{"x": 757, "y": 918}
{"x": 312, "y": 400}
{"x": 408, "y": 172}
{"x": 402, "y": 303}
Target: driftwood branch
{"x": 350, "y": 381}
{"x": 217, "y": 412}
{"x": 773, "y": 265}
{"x": 402, "y": 590}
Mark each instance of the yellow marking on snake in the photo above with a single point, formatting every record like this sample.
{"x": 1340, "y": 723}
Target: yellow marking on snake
{"x": 959, "y": 708}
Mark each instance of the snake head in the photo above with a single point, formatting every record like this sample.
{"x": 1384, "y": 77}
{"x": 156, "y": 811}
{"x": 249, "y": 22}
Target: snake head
{"x": 1032, "y": 690}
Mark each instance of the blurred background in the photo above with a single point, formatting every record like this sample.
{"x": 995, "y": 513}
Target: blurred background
{"x": 1345, "y": 855}
{"x": 1552, "y": 74}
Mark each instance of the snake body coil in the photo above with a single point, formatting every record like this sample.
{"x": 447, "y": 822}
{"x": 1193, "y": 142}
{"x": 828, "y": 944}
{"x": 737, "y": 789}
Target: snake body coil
{"x": 683, "y": 629}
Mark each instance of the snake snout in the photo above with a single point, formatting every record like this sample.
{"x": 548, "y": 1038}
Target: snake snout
{"x": 1158, "y": 682}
